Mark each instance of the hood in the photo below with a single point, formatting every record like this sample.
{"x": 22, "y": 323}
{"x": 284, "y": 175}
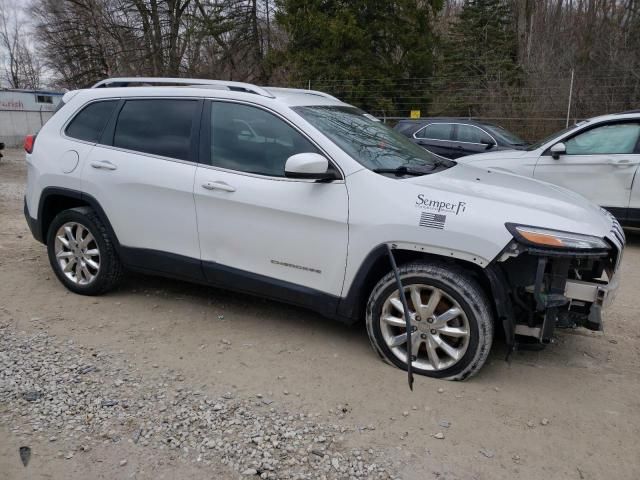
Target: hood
{"x": 512, "y": 198}
{"x": 495, "y": 154}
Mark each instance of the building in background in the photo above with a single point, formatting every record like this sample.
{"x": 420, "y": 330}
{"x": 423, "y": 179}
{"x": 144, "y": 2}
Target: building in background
{"x": 23, "y": 112}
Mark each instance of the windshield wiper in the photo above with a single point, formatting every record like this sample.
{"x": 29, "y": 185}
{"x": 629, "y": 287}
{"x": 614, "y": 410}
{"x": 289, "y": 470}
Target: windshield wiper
{"x": 404, "y": 170}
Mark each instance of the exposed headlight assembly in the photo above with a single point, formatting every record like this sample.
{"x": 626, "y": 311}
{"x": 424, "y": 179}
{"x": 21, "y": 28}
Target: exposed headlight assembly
{"x": 545, "y": 238}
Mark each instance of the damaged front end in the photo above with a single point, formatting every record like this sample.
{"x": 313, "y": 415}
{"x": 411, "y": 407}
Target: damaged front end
{"x": 556, "y": 280}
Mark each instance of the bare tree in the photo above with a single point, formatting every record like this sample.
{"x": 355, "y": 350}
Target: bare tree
{"x": 86, "y": 40}
{"x": 21, "y": 66}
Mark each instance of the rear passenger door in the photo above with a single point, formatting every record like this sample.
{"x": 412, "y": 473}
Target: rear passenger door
{"x": 437, "y": 138}
{"x": 142, "y": 172}
{"x": 471, "y": 139}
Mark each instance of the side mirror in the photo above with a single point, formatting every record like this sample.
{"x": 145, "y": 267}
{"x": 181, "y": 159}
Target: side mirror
{"x": 309, "y": 166}
{"x": 489, "y": 143}
{"x": 557, "y": 150}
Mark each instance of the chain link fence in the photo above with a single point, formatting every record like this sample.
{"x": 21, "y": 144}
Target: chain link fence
{"x": 536, "y": 105}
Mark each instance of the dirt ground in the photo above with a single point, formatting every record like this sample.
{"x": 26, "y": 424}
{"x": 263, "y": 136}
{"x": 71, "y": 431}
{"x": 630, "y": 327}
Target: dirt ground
{"x": 571, "y": 411}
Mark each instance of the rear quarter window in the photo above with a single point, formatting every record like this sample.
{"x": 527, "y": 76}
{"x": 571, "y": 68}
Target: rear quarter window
{"x": 89, "y": 123}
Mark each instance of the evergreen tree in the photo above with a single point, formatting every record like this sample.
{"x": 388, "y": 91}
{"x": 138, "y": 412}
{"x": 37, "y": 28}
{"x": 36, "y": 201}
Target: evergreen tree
{"x": 364, "y": 51}
{"x": 480, "y": 52}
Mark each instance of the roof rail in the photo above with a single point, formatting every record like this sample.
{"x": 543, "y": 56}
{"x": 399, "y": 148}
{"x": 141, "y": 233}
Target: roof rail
{"x": 194, "y": 82}
{"x": 303, "y": 90}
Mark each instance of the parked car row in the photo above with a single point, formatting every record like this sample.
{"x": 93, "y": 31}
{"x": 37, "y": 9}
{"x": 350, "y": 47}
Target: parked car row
{"x": 597, "y": 158}
{"x": 299, "y": 197}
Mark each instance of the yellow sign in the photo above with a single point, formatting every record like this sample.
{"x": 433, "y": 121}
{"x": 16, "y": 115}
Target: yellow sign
{"x": 415, "y": 113}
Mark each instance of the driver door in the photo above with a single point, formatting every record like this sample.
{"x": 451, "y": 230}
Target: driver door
{"x": 599, "y": 163}
{"x": 280, "y": 237}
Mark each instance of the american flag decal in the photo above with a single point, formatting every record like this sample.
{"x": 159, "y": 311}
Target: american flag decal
{"x": 432, "y": 220}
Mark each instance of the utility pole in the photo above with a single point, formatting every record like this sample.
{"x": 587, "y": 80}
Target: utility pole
{"x": 570, "y": 97}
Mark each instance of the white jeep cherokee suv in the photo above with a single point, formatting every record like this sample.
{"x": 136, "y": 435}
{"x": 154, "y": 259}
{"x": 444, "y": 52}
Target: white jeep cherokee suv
{"x": 296, "y": 196}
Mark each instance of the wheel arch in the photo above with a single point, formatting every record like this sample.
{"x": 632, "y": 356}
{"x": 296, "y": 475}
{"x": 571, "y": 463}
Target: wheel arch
{"x": 54, "y": 200}
{"x": 352, "y": 307}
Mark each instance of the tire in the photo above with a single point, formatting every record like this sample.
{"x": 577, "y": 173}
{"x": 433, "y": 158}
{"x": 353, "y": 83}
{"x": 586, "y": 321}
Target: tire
{"x": 62, "y": 251}
{"x": 460, "y": 345}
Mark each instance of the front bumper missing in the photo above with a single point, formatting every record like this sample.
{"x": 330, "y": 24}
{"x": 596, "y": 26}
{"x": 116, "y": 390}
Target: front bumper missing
{"x": 566, "y": 291}
{"x": 553, "y": 289}
{"x": 599, "y": 295}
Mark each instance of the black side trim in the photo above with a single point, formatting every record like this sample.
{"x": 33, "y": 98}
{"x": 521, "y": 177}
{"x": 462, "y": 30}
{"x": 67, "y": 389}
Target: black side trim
{"x": 242, "y": 281}
{"x": 210, "y": 273}
{"x": 165, "y": 264}
{"x": 351, "y": 307}
{"x": 34, "y": 225}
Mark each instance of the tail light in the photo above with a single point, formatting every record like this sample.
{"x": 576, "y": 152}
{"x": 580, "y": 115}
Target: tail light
{"x": 29, "y": 141}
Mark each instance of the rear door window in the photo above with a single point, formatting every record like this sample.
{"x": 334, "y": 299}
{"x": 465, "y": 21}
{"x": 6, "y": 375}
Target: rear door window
{"x": 471, "y": 134}
{"x": 90, "y": 122}
{"x": 157, "y": 126}
{"x": 436, "y": 131}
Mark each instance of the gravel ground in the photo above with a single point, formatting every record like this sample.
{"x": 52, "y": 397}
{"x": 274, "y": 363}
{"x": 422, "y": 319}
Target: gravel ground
{"x": 164, "y": 379}
{"x": 82, "y": 397}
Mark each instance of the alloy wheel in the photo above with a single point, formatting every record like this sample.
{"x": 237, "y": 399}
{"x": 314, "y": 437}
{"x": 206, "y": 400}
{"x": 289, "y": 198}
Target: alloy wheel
{"x": 77, "y": 253}
{"x": 440, "y": 329}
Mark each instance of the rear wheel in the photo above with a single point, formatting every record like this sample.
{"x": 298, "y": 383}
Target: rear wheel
{"x": 451, "y": 321}
{"x": 81, "y": 252}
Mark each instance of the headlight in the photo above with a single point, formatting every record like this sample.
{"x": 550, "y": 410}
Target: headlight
{"x": 543, "y": 237}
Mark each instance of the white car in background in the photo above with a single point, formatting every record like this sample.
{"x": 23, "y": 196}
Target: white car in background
{"x": 597, "y": 158}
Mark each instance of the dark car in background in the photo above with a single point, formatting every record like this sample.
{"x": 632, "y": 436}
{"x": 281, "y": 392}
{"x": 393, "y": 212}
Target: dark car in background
{"x": 457, "y": 137}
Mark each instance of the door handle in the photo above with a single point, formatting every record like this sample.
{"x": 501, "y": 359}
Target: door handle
{"x": 225, "y": 187}
{"x": 623, "y": 163}
{"x": 104, "y": 165}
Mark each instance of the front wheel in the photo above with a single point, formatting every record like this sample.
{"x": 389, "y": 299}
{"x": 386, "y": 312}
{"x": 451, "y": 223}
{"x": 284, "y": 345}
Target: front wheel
{"x": 451, "y": 321}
